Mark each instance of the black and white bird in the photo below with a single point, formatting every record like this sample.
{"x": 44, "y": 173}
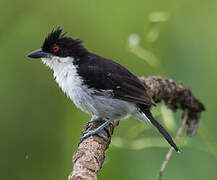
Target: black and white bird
{"x": 97, "y": 85}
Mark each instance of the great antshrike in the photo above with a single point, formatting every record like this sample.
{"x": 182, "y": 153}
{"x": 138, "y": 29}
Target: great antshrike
{"x": 97, "y": 85}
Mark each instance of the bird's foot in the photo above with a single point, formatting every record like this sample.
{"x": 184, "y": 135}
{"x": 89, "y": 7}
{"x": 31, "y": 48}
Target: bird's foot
{"x": 99, "y": 119}
{"x": 98, "y": 131}
{"x": 92, "y": 132}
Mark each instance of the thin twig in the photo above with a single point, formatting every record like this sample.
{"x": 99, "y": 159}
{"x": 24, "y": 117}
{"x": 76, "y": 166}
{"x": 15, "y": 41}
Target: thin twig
{"x": 169, "y": 154}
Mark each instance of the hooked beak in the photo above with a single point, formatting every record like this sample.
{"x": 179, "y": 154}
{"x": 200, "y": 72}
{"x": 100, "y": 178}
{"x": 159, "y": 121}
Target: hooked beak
{"x": 38, "y": 54}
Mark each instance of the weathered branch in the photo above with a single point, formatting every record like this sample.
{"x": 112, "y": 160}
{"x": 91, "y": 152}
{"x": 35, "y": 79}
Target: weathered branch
{"x": 90, "y": 155}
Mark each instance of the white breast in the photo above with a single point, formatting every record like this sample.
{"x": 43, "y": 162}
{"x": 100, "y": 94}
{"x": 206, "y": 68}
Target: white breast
{"x": 66, "y": 75}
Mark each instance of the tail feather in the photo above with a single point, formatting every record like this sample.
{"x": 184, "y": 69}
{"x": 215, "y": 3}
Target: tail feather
{"x": 160, "y": 128}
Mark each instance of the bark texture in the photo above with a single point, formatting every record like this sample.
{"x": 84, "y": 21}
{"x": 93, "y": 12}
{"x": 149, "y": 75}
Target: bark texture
{"x": 90, "y": 155}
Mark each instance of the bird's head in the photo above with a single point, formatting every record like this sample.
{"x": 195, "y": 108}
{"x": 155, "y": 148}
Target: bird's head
{"x": 57, "y": 44}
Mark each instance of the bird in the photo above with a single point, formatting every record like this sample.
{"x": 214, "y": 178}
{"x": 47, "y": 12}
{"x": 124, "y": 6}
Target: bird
{"x": 97, "y": 85}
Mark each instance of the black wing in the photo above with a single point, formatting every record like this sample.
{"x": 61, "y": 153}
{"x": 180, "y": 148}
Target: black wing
{"x": 104, "y": 74}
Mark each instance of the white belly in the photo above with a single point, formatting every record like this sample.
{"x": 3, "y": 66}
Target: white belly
{"x": 85, "y": 99}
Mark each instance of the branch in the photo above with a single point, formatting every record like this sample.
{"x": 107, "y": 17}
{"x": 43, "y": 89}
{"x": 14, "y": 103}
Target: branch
{"x": 169, "y": 154}
{"x": 90, "y": 155}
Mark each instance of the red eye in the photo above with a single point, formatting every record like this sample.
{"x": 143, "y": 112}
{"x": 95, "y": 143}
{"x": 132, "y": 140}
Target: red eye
{"x": 55, "y": 48}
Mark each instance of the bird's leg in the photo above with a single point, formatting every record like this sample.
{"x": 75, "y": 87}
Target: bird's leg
{"x": 99, "y": 119}
{"x": 98, "y": 130}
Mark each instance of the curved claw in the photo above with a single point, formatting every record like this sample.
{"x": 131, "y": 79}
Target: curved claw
{"x": 92, "y": 132}
{"x": 104, "y": 137}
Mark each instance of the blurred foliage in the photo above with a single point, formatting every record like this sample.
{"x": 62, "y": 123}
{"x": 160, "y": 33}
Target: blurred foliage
{"x": 40, "y": 127}
{"x": 211, "y": 144}
{"x": 146, "y": 55}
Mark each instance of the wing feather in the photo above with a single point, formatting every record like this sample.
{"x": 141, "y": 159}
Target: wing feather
{"x": 104, "y": 74}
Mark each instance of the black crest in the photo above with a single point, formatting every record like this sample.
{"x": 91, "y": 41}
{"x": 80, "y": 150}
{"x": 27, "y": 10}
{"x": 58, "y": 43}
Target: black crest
{"x": 67, "y": 46}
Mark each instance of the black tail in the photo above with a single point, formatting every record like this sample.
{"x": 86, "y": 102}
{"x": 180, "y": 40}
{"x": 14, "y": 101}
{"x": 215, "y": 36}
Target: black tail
{"x": 160, "y": 128}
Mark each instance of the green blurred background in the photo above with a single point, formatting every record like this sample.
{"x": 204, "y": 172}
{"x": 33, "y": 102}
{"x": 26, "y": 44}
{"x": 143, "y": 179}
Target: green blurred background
{"x": 40, "y": 127}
